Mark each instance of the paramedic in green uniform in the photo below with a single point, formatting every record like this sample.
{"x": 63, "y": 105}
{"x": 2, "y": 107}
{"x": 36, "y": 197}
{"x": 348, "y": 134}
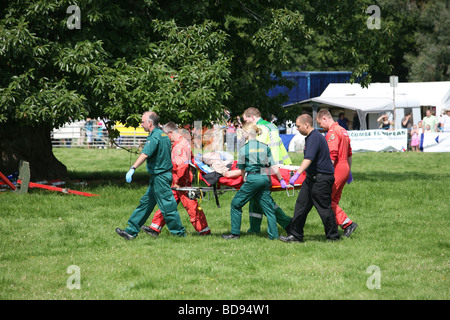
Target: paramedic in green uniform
{"x": 157, "y": 152}
{"x": 254, "y": 159}
{"x": 270, "y": 136}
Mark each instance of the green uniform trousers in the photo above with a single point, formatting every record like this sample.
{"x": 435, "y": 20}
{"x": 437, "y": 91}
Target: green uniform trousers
{"x": 159, "y": 192}
{"x": 256, "y": 215}
{"x": 256, "y": 187}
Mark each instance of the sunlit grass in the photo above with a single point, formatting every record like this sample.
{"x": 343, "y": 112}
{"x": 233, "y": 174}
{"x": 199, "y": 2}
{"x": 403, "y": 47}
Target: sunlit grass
{"x": 399, "y": 200}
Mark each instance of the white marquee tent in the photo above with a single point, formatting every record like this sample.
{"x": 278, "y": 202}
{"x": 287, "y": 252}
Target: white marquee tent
{"x": 379, "y": 98}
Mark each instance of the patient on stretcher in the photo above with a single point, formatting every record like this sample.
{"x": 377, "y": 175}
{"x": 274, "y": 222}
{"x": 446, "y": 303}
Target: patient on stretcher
{"x": 217, "y": 164}
{"x": 219, "y": 161}
{"x": 220, "y": 166}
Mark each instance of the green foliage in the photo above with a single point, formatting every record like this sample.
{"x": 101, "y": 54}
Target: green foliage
{"x": 113, "y": 67}
{"x": 187, "y": 61}
{"x": 433, "y": 44}
{"x": 341, "y": 40}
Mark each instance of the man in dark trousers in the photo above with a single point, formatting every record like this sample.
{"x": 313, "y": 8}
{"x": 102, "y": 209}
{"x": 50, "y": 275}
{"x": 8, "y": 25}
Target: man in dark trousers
{"x": 317, "y": 187}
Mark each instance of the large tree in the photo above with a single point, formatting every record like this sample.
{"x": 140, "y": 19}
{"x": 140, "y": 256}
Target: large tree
{"x": 430, "y": 61}
{"x": 187, "y": 60}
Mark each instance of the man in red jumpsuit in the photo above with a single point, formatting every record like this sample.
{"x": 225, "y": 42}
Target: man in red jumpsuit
{"x": 182, "y": 177}
{"x": 341, "y": 156}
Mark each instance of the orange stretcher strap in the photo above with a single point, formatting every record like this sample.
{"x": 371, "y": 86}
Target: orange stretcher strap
{"x": 9, "y": 183}
{"x": 63, "y": 190}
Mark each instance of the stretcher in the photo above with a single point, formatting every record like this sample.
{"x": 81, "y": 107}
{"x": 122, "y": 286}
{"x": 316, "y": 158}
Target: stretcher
{"x": 219, "y": 184}
{"x": 23, "y": 182}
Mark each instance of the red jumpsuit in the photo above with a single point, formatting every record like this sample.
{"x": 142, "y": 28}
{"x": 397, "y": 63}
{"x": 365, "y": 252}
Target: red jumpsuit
{"x": 340, "y": 150}
{"x": 182, "y": 176}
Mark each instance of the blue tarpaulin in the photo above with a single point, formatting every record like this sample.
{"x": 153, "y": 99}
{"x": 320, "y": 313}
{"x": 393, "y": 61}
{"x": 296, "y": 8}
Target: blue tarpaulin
{"x": 286, "y": 138}
{"x": 308, "y": 84}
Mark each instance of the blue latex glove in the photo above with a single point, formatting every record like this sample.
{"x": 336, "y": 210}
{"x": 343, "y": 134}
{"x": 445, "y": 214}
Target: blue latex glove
{"x": 129, "y": 175}
{"x": 283, "y": 184}
{"x": 350, "y": 178}
{"x": 294, "y": 178}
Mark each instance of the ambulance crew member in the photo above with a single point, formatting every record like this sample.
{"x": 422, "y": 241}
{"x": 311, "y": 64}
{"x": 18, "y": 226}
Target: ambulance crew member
{"x": 269, "y": 136}
{"x": 253, "y": 160}
{"x": 341, "y": 157}
{"x": 157, "y": 152}
{"x": 316, "y": 189}
{"x": 181, "y": 177}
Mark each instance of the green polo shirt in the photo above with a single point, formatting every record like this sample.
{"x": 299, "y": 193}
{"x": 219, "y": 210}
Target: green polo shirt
{"x": 431, "y": 120}
{"x": 158, "y": 149}
{"x": 254, "y": 155}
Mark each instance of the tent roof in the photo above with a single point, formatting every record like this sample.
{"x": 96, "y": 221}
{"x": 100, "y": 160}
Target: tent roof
{"x": 378, "y": 97}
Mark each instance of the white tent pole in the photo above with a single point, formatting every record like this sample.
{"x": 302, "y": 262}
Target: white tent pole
{"x": 393, "y": 80}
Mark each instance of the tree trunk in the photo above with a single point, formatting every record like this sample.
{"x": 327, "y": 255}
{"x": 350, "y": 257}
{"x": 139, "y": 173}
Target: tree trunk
{"x": 32, "y": 144}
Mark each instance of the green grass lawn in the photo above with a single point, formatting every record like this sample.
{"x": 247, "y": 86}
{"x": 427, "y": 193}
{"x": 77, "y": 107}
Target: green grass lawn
{"x": 400, "y": 201}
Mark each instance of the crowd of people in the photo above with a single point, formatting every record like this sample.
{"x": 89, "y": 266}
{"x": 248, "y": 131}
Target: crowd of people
{"x": 327, "y": 163}
{"x": 428, "y": 124}
{"x": 227, "y": 133}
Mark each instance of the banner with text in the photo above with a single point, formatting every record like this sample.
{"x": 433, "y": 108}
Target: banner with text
{"x": 378, "y": 140}
{"x": 435, "y": 142}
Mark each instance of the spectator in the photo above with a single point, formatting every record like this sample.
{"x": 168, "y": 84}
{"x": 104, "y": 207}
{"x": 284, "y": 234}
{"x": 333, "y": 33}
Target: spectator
{"x": 430, "y": 120}
{"x": 100, "y": 134}
{"x": 217, "y": 137}
{"x": 356, "y": 123}
{"x": 385, "y": 124}
{"x": 343, "y": 121}
{"x": 445, "y": 121}
{"x": 89, "y": 130}
{"x": 230, "y": 136}
{"x": 415, "y": 139}
{"x": 420, "y": 127}
{"x": 407, "y": 121}
{"x": 239, "y": 122}
{"x": 240, "y": 140}
{"x": 406, "y": 124}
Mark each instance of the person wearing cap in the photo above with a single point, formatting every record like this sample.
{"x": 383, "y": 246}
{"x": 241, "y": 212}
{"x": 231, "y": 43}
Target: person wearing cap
{"x": 254, "y": 159}
{"x": 317, "y": 187}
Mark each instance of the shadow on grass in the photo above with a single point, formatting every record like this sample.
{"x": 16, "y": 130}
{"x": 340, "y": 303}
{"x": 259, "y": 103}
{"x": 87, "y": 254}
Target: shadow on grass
{"x": 106, "y": 178}
{"x": 95, "y": 179}
{"x": 398, "y": 176}
{"x": 263, "y": 235}
{"x": 116, "y": 176}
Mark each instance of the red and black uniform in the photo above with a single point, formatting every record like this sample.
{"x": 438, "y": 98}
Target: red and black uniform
{"x": 182, "y": 176}
{"x": 340, "y": 150}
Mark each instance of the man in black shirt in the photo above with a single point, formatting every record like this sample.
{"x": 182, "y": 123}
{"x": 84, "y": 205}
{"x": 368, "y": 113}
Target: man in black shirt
{"x": 316, "y": 189}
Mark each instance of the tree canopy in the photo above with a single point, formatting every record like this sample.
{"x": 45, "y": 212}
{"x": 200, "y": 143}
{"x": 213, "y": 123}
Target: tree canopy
{"x": 187, "y": 60}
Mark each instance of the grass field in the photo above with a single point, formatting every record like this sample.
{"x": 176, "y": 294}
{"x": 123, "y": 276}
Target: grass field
{"x": 400, "y": 201}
